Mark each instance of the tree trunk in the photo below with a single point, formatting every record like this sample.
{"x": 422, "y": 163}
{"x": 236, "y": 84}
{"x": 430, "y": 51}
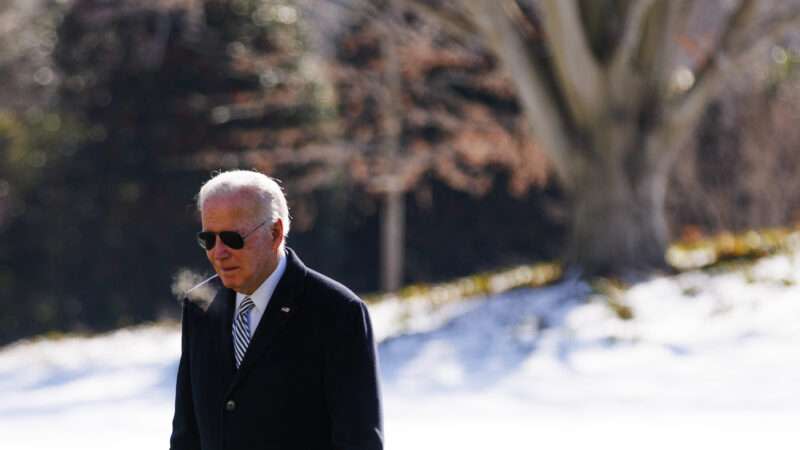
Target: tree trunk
{"x": 392, "y": 240}
{"x": 394, "y": 212}
{"x": 618, "y": 222}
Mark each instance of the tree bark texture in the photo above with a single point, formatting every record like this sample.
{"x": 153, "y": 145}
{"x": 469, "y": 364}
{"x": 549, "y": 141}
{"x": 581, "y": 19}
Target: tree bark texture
{"x": 392, "y": 241}
{"x": 618, "y": 220}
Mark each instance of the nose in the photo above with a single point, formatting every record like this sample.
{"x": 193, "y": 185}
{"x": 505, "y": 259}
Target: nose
{"x": 220, "y": 250}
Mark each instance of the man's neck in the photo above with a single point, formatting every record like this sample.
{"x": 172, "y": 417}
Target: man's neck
{"x": 279, "y": 266}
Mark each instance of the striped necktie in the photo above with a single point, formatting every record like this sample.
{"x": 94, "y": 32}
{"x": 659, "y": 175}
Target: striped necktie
{"x": 241, "y": 330}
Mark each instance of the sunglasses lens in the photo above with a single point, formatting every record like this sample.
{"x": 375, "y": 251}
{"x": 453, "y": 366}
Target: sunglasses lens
{"x": 206, "y": 239}
{"x": 232, "y": 239}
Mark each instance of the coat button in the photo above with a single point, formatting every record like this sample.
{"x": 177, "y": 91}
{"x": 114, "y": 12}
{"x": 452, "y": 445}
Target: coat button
{"x": 230, "y": 405}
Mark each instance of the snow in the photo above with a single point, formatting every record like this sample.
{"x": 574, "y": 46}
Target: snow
{"x": 708, "y": 360}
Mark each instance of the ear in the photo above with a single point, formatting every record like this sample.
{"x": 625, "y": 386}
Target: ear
{"x": 277, "y": 234}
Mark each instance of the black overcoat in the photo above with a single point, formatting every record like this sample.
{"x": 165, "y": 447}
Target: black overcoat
{"x": 309, "y": 379}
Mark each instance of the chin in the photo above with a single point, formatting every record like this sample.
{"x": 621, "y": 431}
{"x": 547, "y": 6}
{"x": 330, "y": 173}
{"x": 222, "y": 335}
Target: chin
{"x": 229, "y": 283}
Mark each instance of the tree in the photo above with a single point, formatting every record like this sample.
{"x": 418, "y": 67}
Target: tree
{"x": 612, "y": 90}
{"x": 36, "y": 135}
{"x": 110, "y": 110}
{"x": 393, "y": 216}
{"x": 414, "y": 105}
{"x": 746, "y": 174}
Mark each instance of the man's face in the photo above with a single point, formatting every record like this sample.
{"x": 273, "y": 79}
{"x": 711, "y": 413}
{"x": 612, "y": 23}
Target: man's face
{"x": 245, "y": 269}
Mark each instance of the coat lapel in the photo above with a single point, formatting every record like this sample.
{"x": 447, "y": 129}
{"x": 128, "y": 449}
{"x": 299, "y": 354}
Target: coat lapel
{"x": 221, "y": 313}
{"x": 282, "y": 306}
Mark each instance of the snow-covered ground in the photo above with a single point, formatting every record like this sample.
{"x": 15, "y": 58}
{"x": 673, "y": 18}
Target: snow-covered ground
{"x": 708, "y": 361}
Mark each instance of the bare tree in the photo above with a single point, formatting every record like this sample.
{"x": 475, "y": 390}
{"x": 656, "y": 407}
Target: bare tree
{"x": 746, "y": 174}
{"x": 612, "y": 91}
{"x": 414, "y": 105}
{"x": 393, "y": 214}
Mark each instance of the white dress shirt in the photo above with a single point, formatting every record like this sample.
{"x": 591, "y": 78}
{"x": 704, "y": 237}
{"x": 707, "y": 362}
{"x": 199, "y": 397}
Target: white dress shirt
{"x": 262, "y": 294}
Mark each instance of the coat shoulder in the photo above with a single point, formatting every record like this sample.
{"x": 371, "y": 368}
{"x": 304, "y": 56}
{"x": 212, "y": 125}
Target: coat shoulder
{"x": 325, "y": 291}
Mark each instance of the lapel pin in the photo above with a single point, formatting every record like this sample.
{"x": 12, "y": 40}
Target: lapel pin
{"x": 285, "y": 309}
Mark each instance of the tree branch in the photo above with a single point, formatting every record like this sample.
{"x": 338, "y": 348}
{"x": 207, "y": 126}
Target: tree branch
{"x": 576, "y": 67}
{"x": 772, "y": 28}
{"x": 710, "y": 75}
{"x": 683, "y": 114}
{"x": 654, "y": 52}
{"x": 735, "y": 27}
{"x": 634, "y": 26}
{"x": 714, "y": 72}
{"x": 537, "y": 101}
{"x": 625, "y": 84}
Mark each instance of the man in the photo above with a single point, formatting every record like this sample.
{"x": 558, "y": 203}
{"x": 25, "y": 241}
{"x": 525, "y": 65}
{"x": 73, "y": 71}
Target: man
{"x": 282, "y": 357}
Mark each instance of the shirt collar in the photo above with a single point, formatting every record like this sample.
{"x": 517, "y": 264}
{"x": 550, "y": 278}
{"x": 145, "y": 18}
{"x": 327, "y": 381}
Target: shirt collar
{"x": 263, "y": 293}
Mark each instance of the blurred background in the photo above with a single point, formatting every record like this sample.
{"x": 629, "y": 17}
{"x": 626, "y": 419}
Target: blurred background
{"x": 112, "y": 113}
{"x": 417, "y": 141}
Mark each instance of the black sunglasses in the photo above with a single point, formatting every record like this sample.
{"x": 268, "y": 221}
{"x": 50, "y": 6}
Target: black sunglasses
{"x": 234, "y": 240}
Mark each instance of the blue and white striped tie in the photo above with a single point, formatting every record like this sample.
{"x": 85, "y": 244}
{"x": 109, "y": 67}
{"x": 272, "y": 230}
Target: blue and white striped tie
{"x": 241, "y": 330}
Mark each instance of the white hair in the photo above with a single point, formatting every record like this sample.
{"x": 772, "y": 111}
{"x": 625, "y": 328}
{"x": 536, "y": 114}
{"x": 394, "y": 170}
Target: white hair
{"x": 267, "y": 189}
